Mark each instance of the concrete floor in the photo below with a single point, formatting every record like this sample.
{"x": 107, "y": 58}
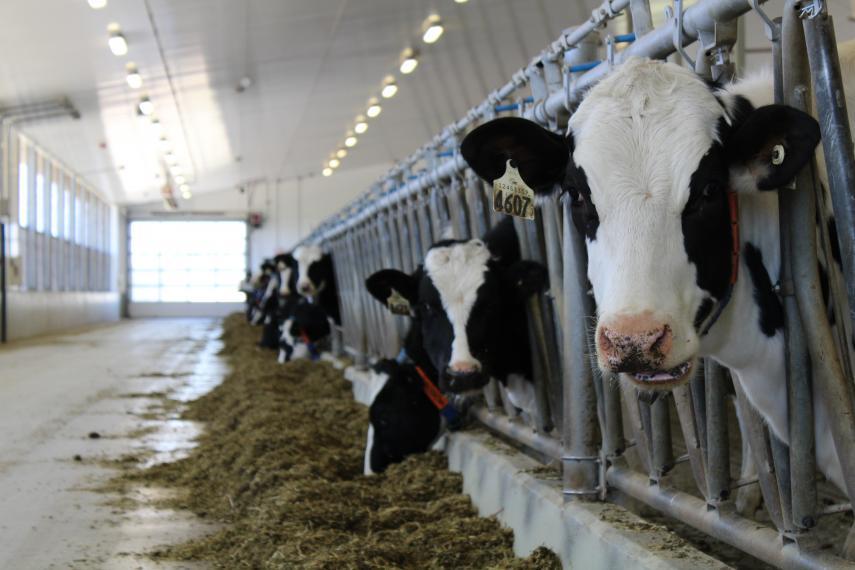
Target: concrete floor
{"x": 54, "y": 392}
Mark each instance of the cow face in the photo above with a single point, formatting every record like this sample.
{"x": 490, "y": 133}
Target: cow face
{"x": 307, "y": 324}
{"x": 403, "y": 420}
{"x": 311, "y": 273}
{"x": 286, "y": 265}
{"x": 468, "y": 305}
{"x": 650, "y": 156}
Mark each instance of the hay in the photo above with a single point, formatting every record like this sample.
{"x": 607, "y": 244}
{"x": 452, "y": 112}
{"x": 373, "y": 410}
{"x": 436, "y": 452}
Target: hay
{"x": 281, "y": 465}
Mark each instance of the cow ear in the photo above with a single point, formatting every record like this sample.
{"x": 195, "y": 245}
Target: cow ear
{"x": 395, "y": 289}
{"x": 528, "y": 278}
{"x": 540, "y": 155}
{"x": 771, "y": 145}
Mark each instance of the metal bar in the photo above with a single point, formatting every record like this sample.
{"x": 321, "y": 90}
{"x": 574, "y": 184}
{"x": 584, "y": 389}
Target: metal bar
{"x": 836, "y": 139}
{"x": 548, "y": 446}
{"x": 759, "y": 541}
{"x": 686, "y": 415}
{"x": 662, "y": 451}
{"x": 754, "y": 429}
{"x": 718, "y": 456}
{"x": 795, "y": 85}
{"x": 578, "y": 432}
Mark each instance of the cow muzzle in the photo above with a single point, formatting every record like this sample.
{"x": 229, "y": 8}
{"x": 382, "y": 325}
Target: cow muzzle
{"x": 459, "y": 381}
{"x": 640, "y": 346}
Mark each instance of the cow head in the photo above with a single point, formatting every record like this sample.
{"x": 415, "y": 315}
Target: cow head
{"x": 403, "y": 420}
{"x": 286, "y": 265}
{"x": 314, "y": 268}
{"x": 467, "y": 301}
{"x": 649, "y": 158}
{"x": 307, "y": 325}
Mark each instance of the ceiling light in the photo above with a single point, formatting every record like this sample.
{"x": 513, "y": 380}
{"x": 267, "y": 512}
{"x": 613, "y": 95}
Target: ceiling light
{"x": 461, "y": 1}
{"x": 361, "y": 126}
{"x": 409, "y": 61}
{"x": 118, "y": 44}
{"x": 350, "y": 141}
{"x": 164, "y": 144}
{"x": 146, "y": 107}
{"x": 374, "y": 108}
{"x": 97, "y": 4}
{"x": 333, "y": 163}
{"x": 133, "y": 77}
{"x": 186, "y": 195}
{"x": 341, "y": 153}
{"x": 180, "y": 180}
{"x": 327, "y": 171}
{"x": 389, "y": 87}
{"x": 432, "y": 29}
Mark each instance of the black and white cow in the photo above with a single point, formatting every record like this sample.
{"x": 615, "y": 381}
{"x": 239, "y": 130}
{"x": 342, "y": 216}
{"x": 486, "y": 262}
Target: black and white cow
{"x": 263, "y": 287}
{"x": 303, "y": 331}
{"x": 468, "y": 302}
{"x": 316, "y": 279}
{"x": 656, "y": 162}
{"x": 407, "y": 412}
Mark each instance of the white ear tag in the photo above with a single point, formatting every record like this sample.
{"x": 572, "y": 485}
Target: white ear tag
{"x": 512, "y": 196}
{"x": 398, "y": 304}
{"x": 778, "y": 154}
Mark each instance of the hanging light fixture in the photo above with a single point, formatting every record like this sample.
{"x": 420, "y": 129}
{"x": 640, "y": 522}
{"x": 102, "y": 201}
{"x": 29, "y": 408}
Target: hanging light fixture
{"x": 334, "y": 163}
{"x": 327, "y": 171}
{"x": 145, "y": 106}
{"x": 133, "y": 77}
{"x": 350, "y": 141}
{"x": 117, "y": 42}
{"x": 341, "y": 153}
{"x": 409, "y": 61}
{"x": 432, "y": 29}
{"x": 97, "y": 4}
{"x": 361, "y": 125}
{"x": 374, "y": 108}
{"x": 389, "y": 87}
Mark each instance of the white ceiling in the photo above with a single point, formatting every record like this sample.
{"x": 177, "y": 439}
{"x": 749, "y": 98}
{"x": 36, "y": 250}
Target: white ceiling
{"x": 314, "y": 64}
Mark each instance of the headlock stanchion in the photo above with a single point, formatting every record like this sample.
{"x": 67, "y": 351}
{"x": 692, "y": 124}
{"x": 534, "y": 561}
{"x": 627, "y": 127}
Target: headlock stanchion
{"x": 673, "y": 451}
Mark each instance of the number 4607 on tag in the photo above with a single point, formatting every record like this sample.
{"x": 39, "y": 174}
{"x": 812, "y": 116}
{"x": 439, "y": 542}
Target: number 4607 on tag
{"x": 512, "y": 196}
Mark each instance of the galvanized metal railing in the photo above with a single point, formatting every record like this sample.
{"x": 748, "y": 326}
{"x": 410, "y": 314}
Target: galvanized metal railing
{"x": 607, "y": 437}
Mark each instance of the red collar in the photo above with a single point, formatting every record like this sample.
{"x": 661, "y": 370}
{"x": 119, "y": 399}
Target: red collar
{"x": 431, "y": 391}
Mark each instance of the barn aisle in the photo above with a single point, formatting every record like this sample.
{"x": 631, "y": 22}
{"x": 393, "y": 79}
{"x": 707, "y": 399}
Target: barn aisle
{"x": 69, "y": 405}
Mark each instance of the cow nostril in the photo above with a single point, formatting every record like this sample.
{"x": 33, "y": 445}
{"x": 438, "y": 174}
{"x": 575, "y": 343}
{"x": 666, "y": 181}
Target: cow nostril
{"x": 660, "y": 339}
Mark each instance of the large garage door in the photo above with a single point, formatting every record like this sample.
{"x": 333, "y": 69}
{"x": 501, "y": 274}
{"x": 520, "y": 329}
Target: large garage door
{"x": 192, "y": 268}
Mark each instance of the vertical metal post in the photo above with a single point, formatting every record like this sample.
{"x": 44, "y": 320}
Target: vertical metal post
{"x": 836, "y": 139}
{"x": 718, "y": 443}
{"x": 792, "y": 77}
{"x": 579, "y": 431}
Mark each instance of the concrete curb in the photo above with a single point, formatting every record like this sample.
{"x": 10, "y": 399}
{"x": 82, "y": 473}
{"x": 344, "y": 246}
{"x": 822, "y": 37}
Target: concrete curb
{"x": 527, "y": 498}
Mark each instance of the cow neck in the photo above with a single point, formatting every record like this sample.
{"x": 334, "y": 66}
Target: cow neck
{"x": 430, "y": 390}
{"x": 733, "y": 210}
{"x": 313, "y": 350}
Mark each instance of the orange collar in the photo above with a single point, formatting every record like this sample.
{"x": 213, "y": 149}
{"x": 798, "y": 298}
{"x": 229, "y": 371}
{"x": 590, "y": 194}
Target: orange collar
{"x": 431, "y": 391}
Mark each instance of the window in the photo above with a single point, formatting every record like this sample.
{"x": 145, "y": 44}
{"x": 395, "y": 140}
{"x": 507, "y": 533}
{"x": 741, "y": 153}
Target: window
{"x": 187, "y": 261}
{"x": 40, "y": 202}
{"x": 23, "y": 192}
{"x": 54, "y": 208}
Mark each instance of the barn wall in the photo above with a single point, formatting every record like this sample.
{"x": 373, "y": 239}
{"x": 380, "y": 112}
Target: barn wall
{"x": 291, "y": 208}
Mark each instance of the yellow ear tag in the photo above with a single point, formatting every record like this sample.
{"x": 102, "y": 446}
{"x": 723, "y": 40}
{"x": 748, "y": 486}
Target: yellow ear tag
{"x": 512, "y": 196}
{"x": 398, "y": 304}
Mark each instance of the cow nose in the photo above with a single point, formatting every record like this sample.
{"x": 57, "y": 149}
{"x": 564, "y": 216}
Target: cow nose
{"x": 634, "y": 343}
{"x": 463, "y": 367}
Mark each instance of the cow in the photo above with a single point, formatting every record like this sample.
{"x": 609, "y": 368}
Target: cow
{"x": 316, "y": 279}
{"x": 468, "y": 302}
{"x": 303, "y": 331}
{"x": 263, "y": 287}
{"x": 407, "y": 412}
{"x": 661, "y": 167}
